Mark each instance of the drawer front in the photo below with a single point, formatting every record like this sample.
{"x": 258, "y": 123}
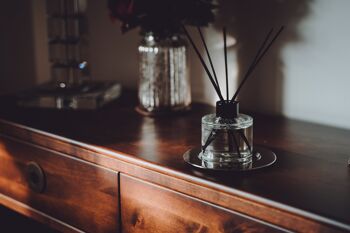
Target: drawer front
{"x": 150, "y": 208}
{"x": 76, "y": 192}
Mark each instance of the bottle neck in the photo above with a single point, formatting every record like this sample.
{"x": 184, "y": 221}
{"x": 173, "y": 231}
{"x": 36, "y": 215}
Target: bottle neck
{"x": 227, "y": 109}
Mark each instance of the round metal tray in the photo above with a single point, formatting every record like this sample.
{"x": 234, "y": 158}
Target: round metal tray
{"x": 262, "y": 157}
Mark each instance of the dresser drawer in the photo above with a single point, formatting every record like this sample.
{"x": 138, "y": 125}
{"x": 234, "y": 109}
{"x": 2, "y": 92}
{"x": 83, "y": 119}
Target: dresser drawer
{"x": 73, "y": 191}
{"x": 150, "y": 208}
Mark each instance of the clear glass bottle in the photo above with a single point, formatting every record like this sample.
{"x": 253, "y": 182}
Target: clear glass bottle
{"x": 227, "y": 137}
{"x": 164, "y": 85}
{"x": 68, "y": 46}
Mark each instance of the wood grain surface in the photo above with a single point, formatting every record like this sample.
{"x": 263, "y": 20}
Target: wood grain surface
{"x": 77, "y": 193}
{"x": 150, "y": 208}
{"x": 308, "y": 188}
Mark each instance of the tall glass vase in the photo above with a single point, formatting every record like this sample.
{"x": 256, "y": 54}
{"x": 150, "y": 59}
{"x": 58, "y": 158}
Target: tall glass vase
{"x": 70, "y": 86}
{"x": 68, "y": 43}
{"x": 164, "y": 85}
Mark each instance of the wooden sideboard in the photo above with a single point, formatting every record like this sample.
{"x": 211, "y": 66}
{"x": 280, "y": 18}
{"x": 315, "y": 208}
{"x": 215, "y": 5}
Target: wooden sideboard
{"x": 112, "y": 170}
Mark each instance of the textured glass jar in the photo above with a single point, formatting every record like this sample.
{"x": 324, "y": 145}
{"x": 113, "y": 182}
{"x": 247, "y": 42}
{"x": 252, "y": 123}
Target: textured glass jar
{"x": 227, "y": 142}
{"x": 164, "y": 84}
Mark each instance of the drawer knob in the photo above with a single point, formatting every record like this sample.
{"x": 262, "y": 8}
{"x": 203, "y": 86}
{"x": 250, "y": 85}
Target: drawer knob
{"x": 36, "y": 177}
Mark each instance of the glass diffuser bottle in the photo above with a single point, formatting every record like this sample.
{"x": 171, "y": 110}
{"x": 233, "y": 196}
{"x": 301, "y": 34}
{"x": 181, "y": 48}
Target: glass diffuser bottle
{"x": 227, "y": 137}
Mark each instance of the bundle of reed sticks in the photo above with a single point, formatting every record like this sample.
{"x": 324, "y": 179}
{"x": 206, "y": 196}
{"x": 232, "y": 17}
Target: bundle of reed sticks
{"x": 263, "y": 49}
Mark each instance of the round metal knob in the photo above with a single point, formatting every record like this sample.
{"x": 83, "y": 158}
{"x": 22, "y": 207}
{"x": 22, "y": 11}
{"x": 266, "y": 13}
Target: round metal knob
{"x": 36, "y": 177}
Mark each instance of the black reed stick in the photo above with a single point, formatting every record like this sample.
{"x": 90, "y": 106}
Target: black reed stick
{"x": 203, "y": 63}
{"x": 226, "y": 72}
{"x": 255, "y": 63}
{"x": 261, "y": 48}
{"x": 252, "y": 65}
{"x": 209, "y": 58}
{"x": 241, "y": 133}
{"x": 210, "y": 138}
{"x": 231, "y": 134}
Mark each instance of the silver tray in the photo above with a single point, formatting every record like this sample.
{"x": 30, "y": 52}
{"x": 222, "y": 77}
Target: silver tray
{"x": 262, "y": 157}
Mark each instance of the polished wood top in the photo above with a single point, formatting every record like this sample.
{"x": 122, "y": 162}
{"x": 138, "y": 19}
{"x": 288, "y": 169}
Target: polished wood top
{"x": 310, "y": 176}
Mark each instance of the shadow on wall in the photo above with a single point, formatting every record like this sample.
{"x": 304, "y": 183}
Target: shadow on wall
{"x": 17, "y": 70}
{"x": 248, "y": 22}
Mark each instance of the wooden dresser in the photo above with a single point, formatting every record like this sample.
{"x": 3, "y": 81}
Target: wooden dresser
{"x": 113, "y": 170}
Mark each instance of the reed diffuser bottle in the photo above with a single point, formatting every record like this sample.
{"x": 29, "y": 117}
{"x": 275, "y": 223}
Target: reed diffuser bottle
{"x": 227, "y": 135}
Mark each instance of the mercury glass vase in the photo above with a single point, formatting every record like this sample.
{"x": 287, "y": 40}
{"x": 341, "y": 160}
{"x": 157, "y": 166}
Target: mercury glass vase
{"x": 164, "y": 84}
{"x": 227, "y": 142}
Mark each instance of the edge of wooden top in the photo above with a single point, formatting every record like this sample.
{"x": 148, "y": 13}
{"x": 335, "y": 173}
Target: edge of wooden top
{"x": 18, "y": 131}
{"x": 37, "y": 215}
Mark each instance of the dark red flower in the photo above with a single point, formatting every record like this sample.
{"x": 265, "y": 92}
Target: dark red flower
{"x": 121, "y": 9}
{"x": 161, "y": 15}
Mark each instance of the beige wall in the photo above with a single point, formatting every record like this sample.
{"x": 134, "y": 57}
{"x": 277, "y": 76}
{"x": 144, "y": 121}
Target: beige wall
{"x": 112, "y": 55}
{"x": 304, "y": 76}
{"x": 316, "y": 83}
